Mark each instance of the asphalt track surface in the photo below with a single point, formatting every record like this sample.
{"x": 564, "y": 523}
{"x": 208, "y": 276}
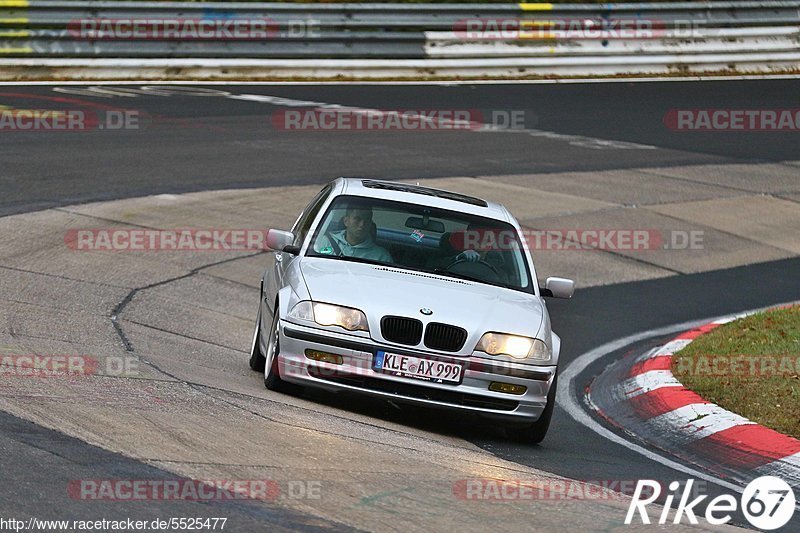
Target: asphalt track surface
{"x": 38, "y": 463}
{"x": 206, "y": 143}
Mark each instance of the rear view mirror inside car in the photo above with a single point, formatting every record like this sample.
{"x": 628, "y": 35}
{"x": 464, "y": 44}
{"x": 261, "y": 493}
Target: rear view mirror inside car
{"x": 435, "y": 226}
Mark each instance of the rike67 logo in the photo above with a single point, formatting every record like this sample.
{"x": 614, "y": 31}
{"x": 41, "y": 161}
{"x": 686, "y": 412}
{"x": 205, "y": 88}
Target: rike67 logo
{"x": 767, "y": 503}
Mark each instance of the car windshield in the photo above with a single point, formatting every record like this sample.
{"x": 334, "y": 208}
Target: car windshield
{"x": 422, "y": 238}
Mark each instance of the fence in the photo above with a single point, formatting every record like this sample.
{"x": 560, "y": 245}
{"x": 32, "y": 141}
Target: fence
{"x": 266, "y": 40}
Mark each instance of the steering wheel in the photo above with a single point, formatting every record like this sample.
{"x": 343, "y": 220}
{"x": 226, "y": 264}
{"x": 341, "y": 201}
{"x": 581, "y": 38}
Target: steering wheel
{"x": 494, "y": 273}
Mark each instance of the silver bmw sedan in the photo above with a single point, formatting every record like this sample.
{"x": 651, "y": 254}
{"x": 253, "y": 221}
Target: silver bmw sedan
{"x": 412, "y": 294}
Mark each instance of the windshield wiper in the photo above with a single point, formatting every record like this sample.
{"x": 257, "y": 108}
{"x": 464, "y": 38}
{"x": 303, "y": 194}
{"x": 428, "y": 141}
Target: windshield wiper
{"x": 445, "y": 272}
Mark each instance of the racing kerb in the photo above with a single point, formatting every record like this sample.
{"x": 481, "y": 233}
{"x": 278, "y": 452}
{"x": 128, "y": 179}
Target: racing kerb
{"x": 640, "y": 396}
{"x": 47, "y": 38}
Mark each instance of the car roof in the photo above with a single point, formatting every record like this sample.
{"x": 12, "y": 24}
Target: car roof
{"x": 417, "y": 194}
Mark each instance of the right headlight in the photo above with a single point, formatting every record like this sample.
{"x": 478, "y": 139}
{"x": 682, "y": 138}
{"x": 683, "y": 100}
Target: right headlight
{"x": 516, "y": 346}
{"x": 330, "y": 315}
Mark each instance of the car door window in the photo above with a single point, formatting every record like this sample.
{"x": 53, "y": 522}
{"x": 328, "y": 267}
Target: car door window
{"x": 303, "y": 224}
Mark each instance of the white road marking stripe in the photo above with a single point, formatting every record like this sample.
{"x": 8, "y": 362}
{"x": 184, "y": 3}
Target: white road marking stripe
{"x": 574, "y": 140}
{"x": 647, "y": 355}
{"x": 697, "y": 420}
{"x": 646, "y": 382}
{"x": 731, "y": 318}
{"x": 787, "y": 468}
{"x": 672, "y": 347}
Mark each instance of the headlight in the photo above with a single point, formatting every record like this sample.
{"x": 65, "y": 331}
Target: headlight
{"x": 513, "y": 345}
{"x": 302, "y": 311}
{"x": 330, "y": 315}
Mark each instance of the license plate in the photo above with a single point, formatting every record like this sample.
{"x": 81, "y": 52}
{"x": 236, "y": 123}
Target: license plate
{"x": 415, "y": 367}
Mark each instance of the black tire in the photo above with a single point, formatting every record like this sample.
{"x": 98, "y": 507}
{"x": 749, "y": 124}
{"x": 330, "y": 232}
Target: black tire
{"x": 535, "y": 433}
{"x": 257, "y": 359}
{"x": 272, "y": 378}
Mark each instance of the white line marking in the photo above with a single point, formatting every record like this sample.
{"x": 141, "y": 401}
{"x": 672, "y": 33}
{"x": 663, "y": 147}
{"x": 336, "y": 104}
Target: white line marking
{"x": 574, "y": 140}
{"x": 787, "y": 468}
{"x": 476, "y": 127}
{"x": 725, "y": 320}
{"x": 571, "y": 404}
{"x": 647, "y": 355}
{"x": 646, "y": 382}
{"x": 672, "y": 347}
{"x": 697, "y": 421}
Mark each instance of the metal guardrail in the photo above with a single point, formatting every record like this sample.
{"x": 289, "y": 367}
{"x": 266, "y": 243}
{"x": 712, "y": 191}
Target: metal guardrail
{"x": 289, "y": 39}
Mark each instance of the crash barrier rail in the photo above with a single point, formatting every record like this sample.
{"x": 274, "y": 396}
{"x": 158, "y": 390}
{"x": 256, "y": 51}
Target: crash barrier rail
{"x": 267, "y": 39}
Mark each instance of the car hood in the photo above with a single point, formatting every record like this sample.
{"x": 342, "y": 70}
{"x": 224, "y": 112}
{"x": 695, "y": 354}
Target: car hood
{"x": 380, "y": 291}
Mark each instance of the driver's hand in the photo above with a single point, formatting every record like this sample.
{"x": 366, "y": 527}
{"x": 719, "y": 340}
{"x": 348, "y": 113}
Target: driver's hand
{"x": 468, "y": 255}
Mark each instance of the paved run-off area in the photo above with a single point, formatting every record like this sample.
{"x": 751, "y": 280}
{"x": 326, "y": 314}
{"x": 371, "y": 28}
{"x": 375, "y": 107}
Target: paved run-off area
{"x": 196, "y": 409}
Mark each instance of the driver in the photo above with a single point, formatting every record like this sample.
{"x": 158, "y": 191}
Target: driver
{"x": 472, "y": 235}
{"x": 457, "y": 247}
{"x": 355, "y": 240}
{"x": 483, "y": 244}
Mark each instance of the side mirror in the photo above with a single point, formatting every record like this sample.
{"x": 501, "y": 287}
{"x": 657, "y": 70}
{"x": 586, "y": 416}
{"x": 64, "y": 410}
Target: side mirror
{"x": 558, "y": 288}
{"x": 280, "y": 240}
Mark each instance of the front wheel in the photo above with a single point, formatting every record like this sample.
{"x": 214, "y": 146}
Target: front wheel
{"x": 272, "y": 377}
{"x": 535, "y": 433}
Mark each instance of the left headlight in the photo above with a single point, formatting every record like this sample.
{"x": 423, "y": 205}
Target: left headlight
{"x": 330, "y": 315}
{"x": 514, "y": 345}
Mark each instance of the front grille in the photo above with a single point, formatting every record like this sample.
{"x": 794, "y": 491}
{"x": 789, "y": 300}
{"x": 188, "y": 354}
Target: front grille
{"x": 414, "y": 391}
{"x": 445, "y": 337}
{"x": 401, "y": 330}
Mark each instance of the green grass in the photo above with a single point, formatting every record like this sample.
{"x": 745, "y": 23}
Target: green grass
{"x": 768, "y": 342}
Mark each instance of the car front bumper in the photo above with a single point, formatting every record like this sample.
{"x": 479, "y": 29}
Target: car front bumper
{"x": 356, "y": 374}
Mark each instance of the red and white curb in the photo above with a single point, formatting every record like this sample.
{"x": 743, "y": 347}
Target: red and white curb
{"x": 643, "y": 398}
